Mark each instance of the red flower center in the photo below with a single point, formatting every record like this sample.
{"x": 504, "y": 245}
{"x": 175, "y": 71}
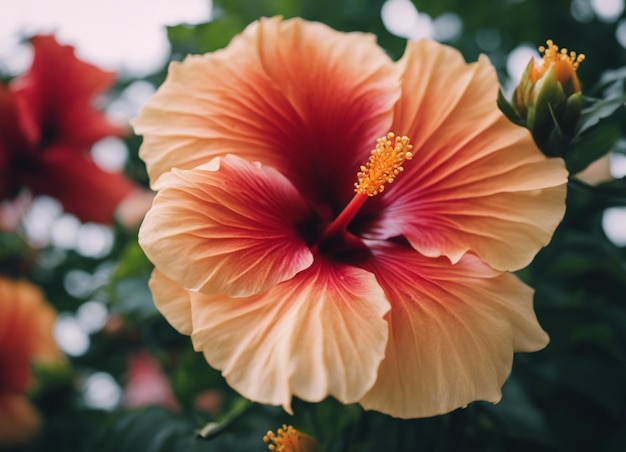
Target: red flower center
{"x": 382, "y": 168}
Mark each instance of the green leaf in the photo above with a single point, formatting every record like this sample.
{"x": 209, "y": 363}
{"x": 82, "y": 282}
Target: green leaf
{"x": 612, "y": 193}
{"x": 191, "y": 375}
{"x": 591, "y": 145}
{"x": 213, "y": 429}
{"x": 132, "y": 297}
{"x": 517, "y": 416}
{"x": 597, "y": 379}
{"x": 596, "y": 110}
{"x": 51, "y": 375}
{"x": 250, "y": 10}
{"x": 598, "y": 131}
{"x": 218, "y": 33}
{"x": 132, "y": 262}
{"x": 148, "y": 430}
{"x": 609, "y": 78}
{"x": 13, "y": 250}
{"x": 329, "y": 419}
{"x": 129, "y": 284}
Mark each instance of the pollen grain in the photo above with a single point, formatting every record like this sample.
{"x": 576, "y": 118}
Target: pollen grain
{"x": 288, "y": 439}
{"x": 384, "y": 164}
{"x": 551, "y": 53}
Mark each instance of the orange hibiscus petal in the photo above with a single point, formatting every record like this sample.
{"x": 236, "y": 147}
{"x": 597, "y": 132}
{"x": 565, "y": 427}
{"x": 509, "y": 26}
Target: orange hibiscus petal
{"x": 172, "y": 301}
{"x": 232, "y": 229}
{"x": 19, "y": 421}
{"x": 16, "y": 339}
{"x": 321, "y": 333}
{"x": 26, "y": 325}
{"x": 477, "y": 182}
{"x": 453, "y": 331}
{"x": 295, "y": 95}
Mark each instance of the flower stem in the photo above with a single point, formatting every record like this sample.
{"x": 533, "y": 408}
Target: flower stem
{"x": 345, "y": 217}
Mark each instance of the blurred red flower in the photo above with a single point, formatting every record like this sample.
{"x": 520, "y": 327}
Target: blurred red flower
{"x": 47, "y": 123}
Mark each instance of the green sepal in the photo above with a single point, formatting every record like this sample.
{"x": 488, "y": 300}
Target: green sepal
{"x": 508, "y": 110}
{"x": 550, "y": 101}
{"x": 521, "y": 94}
{"x": 571, "y": 114}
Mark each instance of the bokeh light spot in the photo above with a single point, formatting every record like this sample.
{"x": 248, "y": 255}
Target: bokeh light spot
{"x": 613, "y": 223}
{"x": 488, "y": 39}
{"x": 101, "y": 391}
{"x": 399, "y": 17}
{"x": 581, "y": 11}
{"x": 39, "y": 219}
{"x": 620, "y": 33}
{"x": 63, "y": 231}
{"x": 69, "y": 336}
{"x": 110, "y": 154}
{"x": 518, "y": 59}
{"x": 608, "y": 10}
{"x": 128, "y": 104}
{"x": 447, "y": 27}
{"x": 618, "y": 165}
{"x": 94, "y": 240}
{"x": 77, "y": 283}
{"x": 91, "y": 316}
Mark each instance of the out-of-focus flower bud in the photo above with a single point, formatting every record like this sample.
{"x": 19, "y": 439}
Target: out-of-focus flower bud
{"x": 26, "y": 338}
{"x": 548, "y": 99}
{"x": 147, "y": 384}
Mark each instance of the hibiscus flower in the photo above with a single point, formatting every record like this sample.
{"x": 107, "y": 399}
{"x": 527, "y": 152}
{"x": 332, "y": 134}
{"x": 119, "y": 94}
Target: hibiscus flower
{"x": 396, "y": 296}
{"x": 47, "y": 123}
{"x": 26, "y": 323}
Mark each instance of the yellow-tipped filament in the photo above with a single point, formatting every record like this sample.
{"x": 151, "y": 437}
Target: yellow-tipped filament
{"x": 384, "y": 164}
{"x": 288, "y": 439}
{"x": 551, "y": 53}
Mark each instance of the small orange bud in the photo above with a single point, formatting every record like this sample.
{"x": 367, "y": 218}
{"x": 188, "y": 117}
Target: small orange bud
{"x": 288, "y": 439}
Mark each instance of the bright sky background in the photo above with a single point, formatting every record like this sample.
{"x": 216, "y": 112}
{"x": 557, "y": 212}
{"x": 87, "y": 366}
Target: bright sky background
{"x": 128, "y": 36}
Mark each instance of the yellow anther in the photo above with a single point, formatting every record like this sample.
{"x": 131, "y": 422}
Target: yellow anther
{"x": 384, "y": 164}
{"x": 288, "y": 439}
{"x": 551, "y": 53}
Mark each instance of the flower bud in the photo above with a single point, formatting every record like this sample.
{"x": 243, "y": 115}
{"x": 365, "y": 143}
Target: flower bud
{"x": 548, "y": 99}
{"x": 288, "y": 439}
